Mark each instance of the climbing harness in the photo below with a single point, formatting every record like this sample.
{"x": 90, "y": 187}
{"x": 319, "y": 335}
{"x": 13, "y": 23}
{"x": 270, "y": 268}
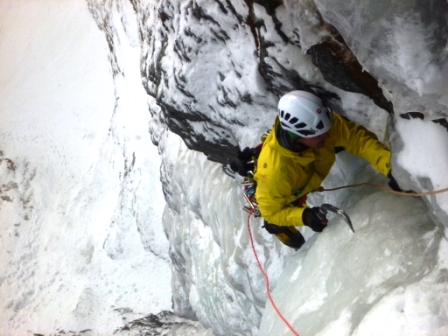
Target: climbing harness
{"x": 265, "y": 275}
{"x": 245, "y": 166}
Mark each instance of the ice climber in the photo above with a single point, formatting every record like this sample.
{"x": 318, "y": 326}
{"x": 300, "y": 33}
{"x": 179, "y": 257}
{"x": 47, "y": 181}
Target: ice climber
{"x": 297, "y": 156}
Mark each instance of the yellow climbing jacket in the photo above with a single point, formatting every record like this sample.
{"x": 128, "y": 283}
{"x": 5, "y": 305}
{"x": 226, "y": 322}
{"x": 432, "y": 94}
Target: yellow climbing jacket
{"x": 283, "y": 176}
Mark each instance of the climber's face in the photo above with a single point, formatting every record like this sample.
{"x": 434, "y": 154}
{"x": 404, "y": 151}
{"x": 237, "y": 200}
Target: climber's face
{"x": 315, "y": 142}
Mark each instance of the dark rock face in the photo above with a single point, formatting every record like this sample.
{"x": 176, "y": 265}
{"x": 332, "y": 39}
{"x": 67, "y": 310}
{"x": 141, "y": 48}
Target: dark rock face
{"x": 340, "y": 67}
{"x": 244, "y": 35}
{"x": 418, "y": 115}
{"x": 164, "y": 323}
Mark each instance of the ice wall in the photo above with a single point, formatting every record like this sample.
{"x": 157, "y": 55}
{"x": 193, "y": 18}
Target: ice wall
{"x": 215, "y": 278}
{"x": 386, "y": 279}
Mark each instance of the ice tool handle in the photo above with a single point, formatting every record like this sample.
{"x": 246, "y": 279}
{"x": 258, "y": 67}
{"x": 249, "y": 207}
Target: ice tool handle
{"x": 324, "y": 208}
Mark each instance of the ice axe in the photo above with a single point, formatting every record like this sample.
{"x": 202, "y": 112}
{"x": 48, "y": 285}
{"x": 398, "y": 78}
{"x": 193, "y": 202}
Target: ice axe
{"x": 324, "y": 208}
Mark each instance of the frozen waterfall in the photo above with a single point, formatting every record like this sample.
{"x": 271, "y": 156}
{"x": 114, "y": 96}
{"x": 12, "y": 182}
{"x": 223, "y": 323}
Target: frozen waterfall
{"x": 117, "y": 119}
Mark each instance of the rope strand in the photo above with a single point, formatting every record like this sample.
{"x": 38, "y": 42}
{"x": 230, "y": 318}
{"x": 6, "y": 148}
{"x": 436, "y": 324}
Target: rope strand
{"x": 268, "y": 291}
{"x": 403, "y": 193}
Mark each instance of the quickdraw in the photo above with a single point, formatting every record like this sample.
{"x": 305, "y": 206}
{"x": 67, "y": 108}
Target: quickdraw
{"x": 249, "y": 194}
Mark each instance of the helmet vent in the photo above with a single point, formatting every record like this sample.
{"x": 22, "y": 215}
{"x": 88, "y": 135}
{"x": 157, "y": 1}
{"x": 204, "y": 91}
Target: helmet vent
{"x": 282, "y": 114}
{"x": 320, "y": 125}
{"x": 287, "y": 116}
{"x": 284, "y": 126}
{"x": 307, "y": 132}
{"x": 294, "y": 120}
{"x": 300, "y": 125}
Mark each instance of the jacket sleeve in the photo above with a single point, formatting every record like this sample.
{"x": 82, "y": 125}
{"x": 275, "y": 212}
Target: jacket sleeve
{"x": 359, "y": 141}
{"x": 273, "y": 194}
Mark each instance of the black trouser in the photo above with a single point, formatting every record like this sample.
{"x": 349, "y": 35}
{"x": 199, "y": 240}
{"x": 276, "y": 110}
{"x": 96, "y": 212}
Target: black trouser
{"x": 288, "y": 235}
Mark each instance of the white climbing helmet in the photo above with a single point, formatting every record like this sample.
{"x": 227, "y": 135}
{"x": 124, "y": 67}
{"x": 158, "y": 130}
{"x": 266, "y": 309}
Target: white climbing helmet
{"x": 303, "y": 114}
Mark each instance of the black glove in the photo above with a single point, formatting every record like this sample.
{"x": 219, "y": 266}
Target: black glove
{"x": 246, "y": 154}
{"x": 393, "y": 183}
{"x": 243, "y": 164}
{"x": 312, "y": 220}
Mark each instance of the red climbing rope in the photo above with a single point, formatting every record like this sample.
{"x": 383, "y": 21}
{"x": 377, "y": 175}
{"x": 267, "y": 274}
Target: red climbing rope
{"x": 268, "y": 291}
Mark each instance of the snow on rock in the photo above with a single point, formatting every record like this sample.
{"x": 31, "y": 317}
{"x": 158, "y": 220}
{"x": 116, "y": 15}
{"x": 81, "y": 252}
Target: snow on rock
{"x": 211, "y": 64}
{"x": 82, "y": 243}
{"x": 403, "y": 45}
{"x": 418, "y": 162}
{"x": 163, "y": 324}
